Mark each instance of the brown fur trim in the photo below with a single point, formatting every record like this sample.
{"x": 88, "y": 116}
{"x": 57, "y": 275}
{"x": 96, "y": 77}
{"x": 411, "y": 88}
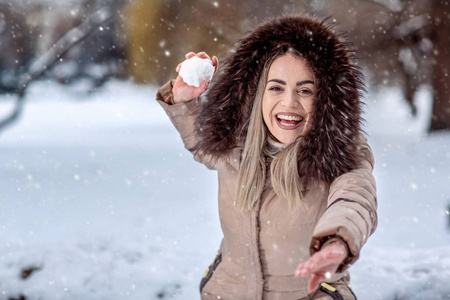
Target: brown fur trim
{"x": 330, "y": 148}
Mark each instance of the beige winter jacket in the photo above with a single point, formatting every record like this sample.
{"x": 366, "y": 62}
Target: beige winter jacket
{"x": 261, "y": 248}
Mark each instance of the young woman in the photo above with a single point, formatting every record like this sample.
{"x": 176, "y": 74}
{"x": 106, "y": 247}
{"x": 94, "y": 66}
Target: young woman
{"x": 281, "y": 125}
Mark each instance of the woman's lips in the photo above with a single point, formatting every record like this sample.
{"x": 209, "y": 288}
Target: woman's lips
{"x": 288, "y": 121}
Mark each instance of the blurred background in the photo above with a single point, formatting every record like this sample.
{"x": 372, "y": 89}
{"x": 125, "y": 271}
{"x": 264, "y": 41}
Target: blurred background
{"x": 98, "y": 197}
{"x": 401, "y": 43}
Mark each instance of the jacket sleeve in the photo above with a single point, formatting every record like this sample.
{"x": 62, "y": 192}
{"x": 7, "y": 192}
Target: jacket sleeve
{"x": 183, "y": 116}
{"x": 351, "y": 209}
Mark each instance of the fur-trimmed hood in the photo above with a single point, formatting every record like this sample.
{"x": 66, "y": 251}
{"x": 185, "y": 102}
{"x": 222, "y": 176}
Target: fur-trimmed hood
{"x": 330, "y": 148}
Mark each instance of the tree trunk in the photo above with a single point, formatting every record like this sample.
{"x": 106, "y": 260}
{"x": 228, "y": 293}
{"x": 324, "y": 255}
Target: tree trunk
{"x": 441, "y": 67}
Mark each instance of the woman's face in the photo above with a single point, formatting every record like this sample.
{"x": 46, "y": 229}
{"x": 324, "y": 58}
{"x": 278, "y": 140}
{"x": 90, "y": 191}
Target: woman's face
{"x": 288, "y": 98}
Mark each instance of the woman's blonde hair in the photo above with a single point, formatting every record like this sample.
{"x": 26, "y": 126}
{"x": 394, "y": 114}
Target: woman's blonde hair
{"x": 284, "y": 164}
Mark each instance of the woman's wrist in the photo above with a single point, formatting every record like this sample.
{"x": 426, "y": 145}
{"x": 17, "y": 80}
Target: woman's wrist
{"x": 335, "y": 239}
{"x": 176, "y": 99}
{"x": 172, "y": 97}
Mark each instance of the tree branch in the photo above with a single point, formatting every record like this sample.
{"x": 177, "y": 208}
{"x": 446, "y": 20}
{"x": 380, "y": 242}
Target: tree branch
{"x": 406, "y": 28}
{"x": 392, "y": 7}
{"x": 49, "y": 58}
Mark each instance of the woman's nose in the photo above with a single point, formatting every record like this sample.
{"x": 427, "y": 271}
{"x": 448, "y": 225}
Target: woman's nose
{"x": 291, "y": 100}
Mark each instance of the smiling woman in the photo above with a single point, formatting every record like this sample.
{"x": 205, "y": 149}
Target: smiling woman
{"x": 281, "y": 125}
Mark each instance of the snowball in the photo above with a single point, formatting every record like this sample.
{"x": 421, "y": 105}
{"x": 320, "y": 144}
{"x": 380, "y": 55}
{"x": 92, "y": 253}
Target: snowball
{"x": 195, "y": 70}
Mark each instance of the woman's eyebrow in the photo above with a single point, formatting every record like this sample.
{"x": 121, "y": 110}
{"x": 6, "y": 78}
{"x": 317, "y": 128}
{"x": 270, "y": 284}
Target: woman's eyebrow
{"x": 284, "y": 82}
{"x": 304, "y": 82}
{"x": 277, "y": 81}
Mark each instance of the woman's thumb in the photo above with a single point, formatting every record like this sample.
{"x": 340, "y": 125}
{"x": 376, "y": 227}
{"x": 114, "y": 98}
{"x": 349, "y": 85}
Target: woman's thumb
{"x": 204, "y": 86}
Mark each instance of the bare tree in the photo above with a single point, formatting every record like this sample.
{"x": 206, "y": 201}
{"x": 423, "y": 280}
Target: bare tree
{"x": 49, "y": 58}
{"x": 406, "y": 44}
{"x": 441, "y": 65}
{"x": 16, "y": 40}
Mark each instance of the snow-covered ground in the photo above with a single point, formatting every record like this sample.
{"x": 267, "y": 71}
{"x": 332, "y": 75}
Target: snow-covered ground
{"x": 100, "y": 199}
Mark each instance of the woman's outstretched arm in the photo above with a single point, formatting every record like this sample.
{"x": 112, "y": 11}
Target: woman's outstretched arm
{"x": 349, "y": 220}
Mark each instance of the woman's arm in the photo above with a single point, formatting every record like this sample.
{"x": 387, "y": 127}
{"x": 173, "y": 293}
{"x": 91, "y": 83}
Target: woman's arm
{"x": 349, "y": 220}
{"x": 352, "y": 208}
{"x": 181, "y": 103}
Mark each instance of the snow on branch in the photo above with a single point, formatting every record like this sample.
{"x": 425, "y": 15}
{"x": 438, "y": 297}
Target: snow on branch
{"x": 63, "y": 45}
{"x": 392, "y": 5}
{"x": 410, "y": 26}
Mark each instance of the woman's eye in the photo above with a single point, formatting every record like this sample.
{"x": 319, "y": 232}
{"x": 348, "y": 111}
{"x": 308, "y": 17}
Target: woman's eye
{"x": 305, "y": 92}
{"x": 275, "y": 88}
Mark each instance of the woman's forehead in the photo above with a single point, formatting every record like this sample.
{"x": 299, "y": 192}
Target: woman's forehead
{"x": 290, "y": 66}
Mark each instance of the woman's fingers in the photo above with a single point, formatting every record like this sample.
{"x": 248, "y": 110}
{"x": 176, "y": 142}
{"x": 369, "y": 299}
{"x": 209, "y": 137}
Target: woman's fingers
{"x": 312, "y": 265}
{"x": 323, "y": 264}
{"x": 200, "y": 54}
{"x": 178, "y": 68}
{"x": 320, "y": 270}
{"x": 190, "y": 54}
{"x": 328, "y": 257}
{"x": 203, "y": 55}
{"x": 314, "y": 282}
{"x": 215, "y": 62}
{"x": 203, "y": 87}
{"x": 307, "y": 267}
{"x": 318, "y": 265}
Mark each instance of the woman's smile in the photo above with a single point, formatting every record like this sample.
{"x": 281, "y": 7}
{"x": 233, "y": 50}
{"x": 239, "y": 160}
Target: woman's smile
{"x": 289, "y": 121}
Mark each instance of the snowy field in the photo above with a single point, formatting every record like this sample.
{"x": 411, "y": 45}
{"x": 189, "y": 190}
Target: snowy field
{"x": 99, "y": 200}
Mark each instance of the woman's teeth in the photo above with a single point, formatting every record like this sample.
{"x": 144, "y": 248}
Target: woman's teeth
{"x": 289, "y": 118}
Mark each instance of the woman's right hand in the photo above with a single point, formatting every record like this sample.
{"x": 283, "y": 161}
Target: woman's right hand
{"x": 183, "y": 92}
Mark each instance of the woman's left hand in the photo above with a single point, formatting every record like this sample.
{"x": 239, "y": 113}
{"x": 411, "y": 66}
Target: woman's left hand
{"x": 323, "y": 264}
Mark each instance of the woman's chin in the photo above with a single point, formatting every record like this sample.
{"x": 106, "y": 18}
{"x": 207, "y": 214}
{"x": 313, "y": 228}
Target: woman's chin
{"x": 290, "y": 137}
